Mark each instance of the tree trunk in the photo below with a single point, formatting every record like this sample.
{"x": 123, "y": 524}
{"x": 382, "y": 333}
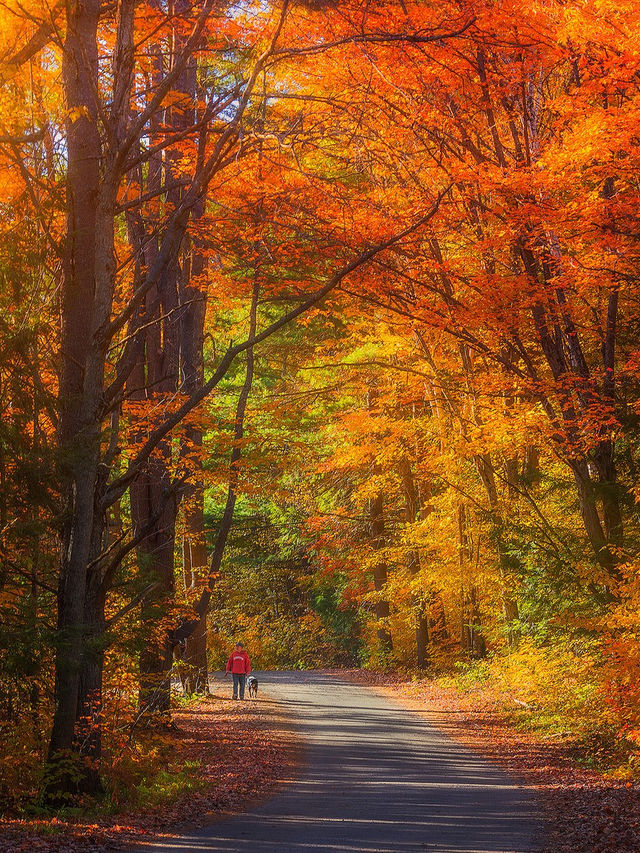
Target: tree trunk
{"x": 471, "y": 637}
{"x": 78, "y": 436}
{"x": 422, "y": 640}
{"x": 89, "y": 728}
{"x": 153, "y": 512}
{"x": 591, "y": 517}
{"x": 194, "y": 670}
{"x": 155, "y": 509}
{"x": 382, "y": 610}
{"x": 154, "y": 505}
{"x": 234, "y": 463}
{"x": 412, "y": 508}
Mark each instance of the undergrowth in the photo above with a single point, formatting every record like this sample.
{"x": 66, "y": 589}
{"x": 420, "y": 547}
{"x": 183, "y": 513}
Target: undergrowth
{"x": 558, "y": 692}
{"x": 141, "y": 769}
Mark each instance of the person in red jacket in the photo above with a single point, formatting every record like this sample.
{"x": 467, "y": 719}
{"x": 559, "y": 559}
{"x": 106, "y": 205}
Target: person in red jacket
{"x": 239, "y": 666}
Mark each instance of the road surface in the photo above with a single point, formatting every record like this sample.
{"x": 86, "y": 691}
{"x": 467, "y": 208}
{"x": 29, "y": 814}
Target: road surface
{"x": 375, "y": 778}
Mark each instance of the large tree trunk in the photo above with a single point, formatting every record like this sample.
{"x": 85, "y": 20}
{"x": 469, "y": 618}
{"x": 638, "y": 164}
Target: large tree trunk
{"x": 154, "y": 508}
{"x": 79, "y": 437}
{"x": 89, "y": 728}
{"x": 158, "y": 509}
{"x": 89, "y": 277}
{"x": 153, "y": 501}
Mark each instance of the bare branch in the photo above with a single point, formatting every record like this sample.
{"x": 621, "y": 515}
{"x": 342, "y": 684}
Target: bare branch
{"x": 34, "y": 136}
{"x": 38, "y": 40}
{"x": 376, "y": 38}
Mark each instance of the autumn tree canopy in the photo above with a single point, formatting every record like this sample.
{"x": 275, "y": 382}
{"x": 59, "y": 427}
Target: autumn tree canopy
{"x": 319, "y": 324}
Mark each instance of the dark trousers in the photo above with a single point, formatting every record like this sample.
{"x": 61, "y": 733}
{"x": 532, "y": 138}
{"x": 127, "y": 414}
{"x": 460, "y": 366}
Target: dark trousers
{"x": 239, "y": 680}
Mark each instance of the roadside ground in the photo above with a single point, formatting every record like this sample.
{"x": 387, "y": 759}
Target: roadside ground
{"x": 235, "y": 752}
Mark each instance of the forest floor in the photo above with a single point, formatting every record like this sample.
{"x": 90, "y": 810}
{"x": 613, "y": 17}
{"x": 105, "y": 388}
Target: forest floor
{"x": 236, "y": 752}
{"x": 585, "y": 810}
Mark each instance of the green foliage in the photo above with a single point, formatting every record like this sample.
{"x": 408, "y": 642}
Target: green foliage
{"x": 165, "y": 786}
{"x": 342, "y": 621}
{"x": 268, "y": 596}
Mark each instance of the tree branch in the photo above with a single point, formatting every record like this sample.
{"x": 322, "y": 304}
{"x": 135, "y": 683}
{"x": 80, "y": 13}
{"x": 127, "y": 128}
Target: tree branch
{"x": 118, "y": 487}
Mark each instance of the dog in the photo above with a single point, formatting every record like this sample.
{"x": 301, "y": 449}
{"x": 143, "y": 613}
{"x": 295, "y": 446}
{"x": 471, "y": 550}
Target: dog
{"x": 252, "y": 684}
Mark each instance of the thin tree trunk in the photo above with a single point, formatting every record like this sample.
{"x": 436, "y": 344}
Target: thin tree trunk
{"x": 471, "y": 637}
{"x": 380, "y": 570}
{"x": 382, "y": 609}
{"x": 194, "y": 671}
{"x": 234, "y": 463}
{"x": 412, "y": 508}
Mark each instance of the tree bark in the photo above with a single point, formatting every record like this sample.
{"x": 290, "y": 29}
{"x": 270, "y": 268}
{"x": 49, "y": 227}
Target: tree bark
{"x": 471, "y": 637}
{"x": 194, "y": 671}
{"x": 78, "y": 437}
{"x": 412, "y": 508}
{"x": 380, "y": 576}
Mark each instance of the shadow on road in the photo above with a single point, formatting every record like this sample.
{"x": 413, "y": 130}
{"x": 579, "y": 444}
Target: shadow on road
{"x": 377, "y": 778}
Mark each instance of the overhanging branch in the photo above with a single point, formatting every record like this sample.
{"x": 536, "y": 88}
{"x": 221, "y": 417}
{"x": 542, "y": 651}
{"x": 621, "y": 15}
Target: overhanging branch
{"x": 119, "y": 486}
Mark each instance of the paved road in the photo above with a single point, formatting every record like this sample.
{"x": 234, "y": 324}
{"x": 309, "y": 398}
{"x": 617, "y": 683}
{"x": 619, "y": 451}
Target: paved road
{"x": 377, "y": 779}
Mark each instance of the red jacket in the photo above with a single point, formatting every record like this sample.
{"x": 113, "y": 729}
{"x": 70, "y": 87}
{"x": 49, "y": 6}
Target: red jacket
{"x": 239, "y": 663}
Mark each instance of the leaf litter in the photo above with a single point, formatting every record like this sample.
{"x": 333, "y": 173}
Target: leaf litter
{"x": 242, "y": 751}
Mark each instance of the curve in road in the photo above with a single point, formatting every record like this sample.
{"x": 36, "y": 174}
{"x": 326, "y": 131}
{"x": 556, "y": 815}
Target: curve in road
{"x": 377, "y": 778}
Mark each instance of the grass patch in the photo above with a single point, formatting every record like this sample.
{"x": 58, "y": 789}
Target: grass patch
{"x": 166, "y": 786}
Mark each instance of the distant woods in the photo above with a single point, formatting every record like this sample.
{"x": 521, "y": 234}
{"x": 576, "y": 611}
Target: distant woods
{"x": 319, "y": 329}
